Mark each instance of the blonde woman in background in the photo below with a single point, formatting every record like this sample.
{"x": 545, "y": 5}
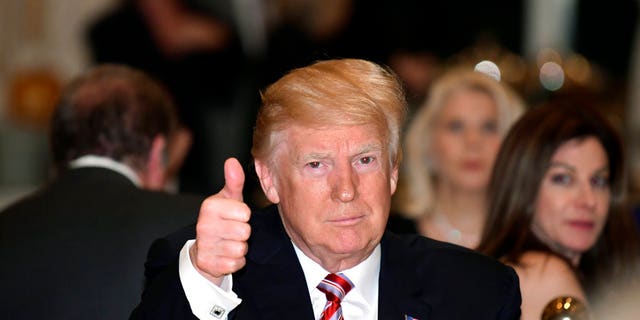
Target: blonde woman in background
{"x": 451, "y": 145}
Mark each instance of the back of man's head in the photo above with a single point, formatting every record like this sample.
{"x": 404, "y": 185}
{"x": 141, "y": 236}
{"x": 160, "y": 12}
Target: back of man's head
{"x": 112, "y": 111}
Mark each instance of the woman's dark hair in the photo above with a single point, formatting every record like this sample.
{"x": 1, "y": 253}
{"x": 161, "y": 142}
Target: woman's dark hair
{"x": 520, "y": 167}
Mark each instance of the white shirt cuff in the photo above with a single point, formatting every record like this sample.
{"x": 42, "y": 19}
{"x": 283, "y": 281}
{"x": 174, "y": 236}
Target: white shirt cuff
{"x": 207, "y": 300}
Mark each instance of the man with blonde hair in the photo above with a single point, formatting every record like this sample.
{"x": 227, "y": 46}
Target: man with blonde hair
{"x": 327, "y": 149}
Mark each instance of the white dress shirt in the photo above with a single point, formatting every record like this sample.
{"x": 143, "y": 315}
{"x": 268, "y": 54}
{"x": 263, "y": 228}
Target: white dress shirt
{"x": 361, "y": 302}
{"x": 210, "y": 302}
{"x": 107, "y": 163}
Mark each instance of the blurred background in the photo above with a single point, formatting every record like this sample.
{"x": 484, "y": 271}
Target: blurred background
{"x": 215, "y": 55}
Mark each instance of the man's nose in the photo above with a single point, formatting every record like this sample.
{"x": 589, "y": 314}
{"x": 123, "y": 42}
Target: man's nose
{"x": 344, "y": 183}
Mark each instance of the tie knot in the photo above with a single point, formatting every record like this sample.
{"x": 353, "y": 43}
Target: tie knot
{"x": 335, "y": 286}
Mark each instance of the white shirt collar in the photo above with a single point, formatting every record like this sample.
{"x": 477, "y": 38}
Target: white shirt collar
{"x": 364, "y": 276}
{"x": 108, "y": 163}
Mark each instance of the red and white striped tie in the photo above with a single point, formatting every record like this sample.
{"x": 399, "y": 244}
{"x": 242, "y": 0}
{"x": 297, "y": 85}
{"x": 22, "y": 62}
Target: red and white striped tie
{"x": 335, "y": 287}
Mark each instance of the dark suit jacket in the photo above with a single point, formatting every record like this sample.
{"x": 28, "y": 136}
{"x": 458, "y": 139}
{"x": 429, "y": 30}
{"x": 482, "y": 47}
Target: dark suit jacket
{"x": 419, "y": 277}
{"x": 400, "y": 224}
{"x": 76, "y": 248}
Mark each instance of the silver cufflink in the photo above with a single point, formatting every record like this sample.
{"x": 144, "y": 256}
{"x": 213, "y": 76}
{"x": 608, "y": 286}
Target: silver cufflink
{"x": 217, "y": 311}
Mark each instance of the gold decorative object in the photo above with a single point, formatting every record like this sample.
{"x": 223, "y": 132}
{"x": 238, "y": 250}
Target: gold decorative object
{"x": 565, "y": 308}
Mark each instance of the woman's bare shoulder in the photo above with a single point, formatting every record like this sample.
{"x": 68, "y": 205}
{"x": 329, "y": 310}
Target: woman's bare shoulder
{"x": 543, "y": 277}
{"x": 538, "y": 263}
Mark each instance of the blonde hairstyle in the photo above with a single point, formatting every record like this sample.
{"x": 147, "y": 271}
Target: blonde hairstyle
{"x": 416, "y": 194}
{"x": 332, "y": 92}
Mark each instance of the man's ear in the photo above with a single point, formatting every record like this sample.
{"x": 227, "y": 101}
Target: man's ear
{"x": 393, "y": 179}
{"x": 267, "y": 181}
{"x": 155, "y": 171}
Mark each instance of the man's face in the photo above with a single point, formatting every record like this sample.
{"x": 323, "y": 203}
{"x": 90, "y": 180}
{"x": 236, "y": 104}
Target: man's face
{"x": 333, "y": 186}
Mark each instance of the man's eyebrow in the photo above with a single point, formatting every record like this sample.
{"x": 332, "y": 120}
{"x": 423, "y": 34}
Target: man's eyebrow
{"x": 369, "y": 148}
{"x": 313, "y": 156}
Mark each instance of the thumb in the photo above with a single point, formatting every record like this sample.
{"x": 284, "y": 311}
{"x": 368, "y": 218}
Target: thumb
{"x": 233, "y": 180}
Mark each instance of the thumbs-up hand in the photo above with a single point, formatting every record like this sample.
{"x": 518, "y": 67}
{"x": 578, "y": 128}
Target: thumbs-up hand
{"x": 223, "y": 228}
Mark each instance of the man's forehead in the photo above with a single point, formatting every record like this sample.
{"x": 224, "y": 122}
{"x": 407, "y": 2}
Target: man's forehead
{"x": 368, "y": 128}
{"x": 327, "y": 140}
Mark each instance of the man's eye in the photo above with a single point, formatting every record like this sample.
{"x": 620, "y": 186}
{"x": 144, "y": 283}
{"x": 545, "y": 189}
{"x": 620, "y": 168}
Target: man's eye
{"x": 367, "y": 160}
{"x": 314, "y": 164}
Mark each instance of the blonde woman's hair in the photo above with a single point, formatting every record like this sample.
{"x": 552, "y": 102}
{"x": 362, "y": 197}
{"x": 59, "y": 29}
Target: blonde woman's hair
{"x": 416, "y": 193}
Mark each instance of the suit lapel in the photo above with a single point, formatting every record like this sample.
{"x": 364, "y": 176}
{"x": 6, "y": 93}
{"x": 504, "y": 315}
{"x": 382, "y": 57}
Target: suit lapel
{"x": 400, "y": 295}
{"x": 274, "y": 280}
